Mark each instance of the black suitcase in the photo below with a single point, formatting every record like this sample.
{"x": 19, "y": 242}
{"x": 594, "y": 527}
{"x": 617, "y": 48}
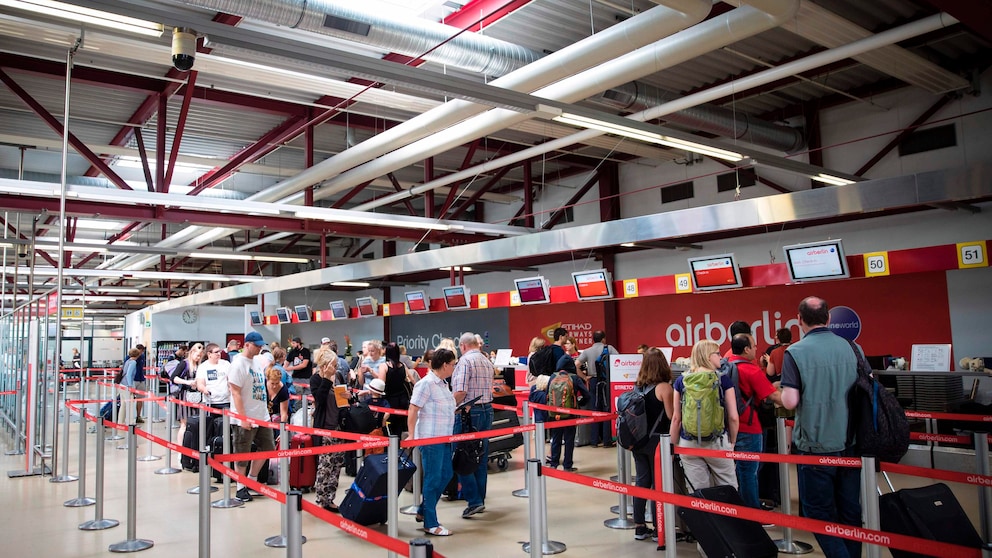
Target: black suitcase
{"x": 501, "y": 446}
{"x": 722, "y": 536}
{"x": 929, "y": 512}
{"x": 191, "y": 440}
{"x": 365, "y": 502}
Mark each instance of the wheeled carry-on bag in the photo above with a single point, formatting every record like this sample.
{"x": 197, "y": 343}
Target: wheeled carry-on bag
{"x": 366, "y": 501}
{"x": 929, "y": 512}
{"x": 722, "y": 536}
{"x": 303, "y": 468}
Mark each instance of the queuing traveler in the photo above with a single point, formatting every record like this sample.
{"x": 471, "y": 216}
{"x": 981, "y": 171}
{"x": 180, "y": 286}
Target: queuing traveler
{"x": 737, "y": 328}
{"x": 755, "y": 387}
{"x": 599, "y": 388}
{"x": 373, "y": 363}
{"x": 279, "y": 361}
{"x": 535, "y": 344}
{"x": 233, "y": 347}
{"x": 128, "y": 372}
{"x": 247, "y": 383}
{"x": 140, "y": 381}
{"x": 325, "y": 416}
{"x": 432, "y": 414}
{"x": 277, "y": 395}
{"x": 211, "y": 378}
{"x": 298, "y": 360}
{"x": 703, "y": 472}
{"x": 817, "y": 373}
{"x": 397, "y": 387}
{"x": 185, "y": 374}
{"x": 472, "y": 378}
{"x": 654, "y": 376}
{"x": 565, "y": 435}
{"x": 773, "y": 368}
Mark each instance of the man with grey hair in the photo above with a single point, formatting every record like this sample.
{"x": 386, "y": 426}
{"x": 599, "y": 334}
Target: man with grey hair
{"x": 473, "y": 377}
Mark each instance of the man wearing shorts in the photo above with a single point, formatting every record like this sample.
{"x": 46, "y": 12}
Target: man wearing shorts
{"x": 248, "y": 396}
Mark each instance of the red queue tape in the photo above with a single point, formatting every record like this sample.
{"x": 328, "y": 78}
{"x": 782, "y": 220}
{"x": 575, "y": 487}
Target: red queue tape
{"x": 577, "y": 412}
{"x": 939, "y": 474}
{"x": 948, "y": 416}
{"x": 855, "y": 533}
{"x": 832, "y": 461}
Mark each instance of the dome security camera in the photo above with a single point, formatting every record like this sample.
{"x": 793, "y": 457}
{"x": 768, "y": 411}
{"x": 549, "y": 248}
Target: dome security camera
{"x": 183, "y": 48}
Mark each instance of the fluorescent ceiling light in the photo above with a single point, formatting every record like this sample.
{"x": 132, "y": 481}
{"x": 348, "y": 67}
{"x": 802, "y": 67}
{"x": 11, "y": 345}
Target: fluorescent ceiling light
{"x": 87, "y": 15}
{"x": 349, "y": 284}
{"x": 832, "y": 180}
{"x": 650, "y": 137}
{"x": 154, "y": 275}
{"x": 341, "y": 216}
{"x": 628, "y": 245}
{"x": 242, "y": 256}
{"x": 457, "y": 268}
{"x": 133, "y": 290}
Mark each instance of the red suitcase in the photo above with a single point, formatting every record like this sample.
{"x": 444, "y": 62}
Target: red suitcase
{"x": 302, "y": 469}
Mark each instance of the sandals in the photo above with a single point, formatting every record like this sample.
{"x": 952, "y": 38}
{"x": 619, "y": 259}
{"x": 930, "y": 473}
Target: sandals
{"x": 439, "y": 531}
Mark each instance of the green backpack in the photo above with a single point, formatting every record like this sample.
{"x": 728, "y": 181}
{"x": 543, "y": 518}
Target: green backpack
{"x": 702, "y": 406}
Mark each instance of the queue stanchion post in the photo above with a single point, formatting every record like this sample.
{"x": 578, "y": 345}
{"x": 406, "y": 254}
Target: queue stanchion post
{"x": 18, "y": 448}
{"x": 132, "y": 543}
{"x": 869, "y": 502}
{"x": 151, "y": 430}
{"x": 393, "y": 490}
{"x": 64, "y": 476}
{"x": 156, "y": 415}
{"x": 294, "y": 524}
{"x": 227, "y": 501}
{"x": 627, "y": 456}
{"x": 202, "y": 434}
{"x": 623, "y": 520}
{"x": 786, "y": 545}
{"x": 548, "y": 547}
{"x": 81, "y": 498}
{"x": 528, "y": 439}
{"x": 99, "y": 523}
{"x": 204, "y": 502}
{"x": 168, "y": 469}
{"x": 668, "y": 487}
{"x": 421, "y": 548}
{"x": 533, "y": 471}
{"x": 115, "y": 411}
{"x": 414, "y": 508}
{"x": 282, "y": 539}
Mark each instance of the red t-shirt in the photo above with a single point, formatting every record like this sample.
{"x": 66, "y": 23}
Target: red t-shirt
{"x": 752, "y": 381}
{"x": 777, "y": 357}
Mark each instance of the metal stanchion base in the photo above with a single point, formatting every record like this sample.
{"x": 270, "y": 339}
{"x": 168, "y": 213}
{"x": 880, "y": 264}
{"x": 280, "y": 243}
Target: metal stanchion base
{"x": 79, "y": 502}
{"x": 134, "y": 545}
{"x": 122, "y": 446}
{"x": 114, "y": 437}
{"x": 616, "y": 510}
{"x": 158, "y": 420}
{"x": 410, "y": 510}
{"x": 45, "y": 470}
{"x": 98, "y": 524}
{"x": 280, "y": 541}
{"x": 14, "y": 452}
{"x": 196, "y": 490}
{"x": 550, "y": 547}
{"x": 619, "y": 523}
{"x": 521, "y": 493}
{"x": 150, "y": 458}
{"x": 168, "y": 471}
{"x": 63, "y": 478}
{"x": 796, "y": 547}
{"x": 227, "y": 503}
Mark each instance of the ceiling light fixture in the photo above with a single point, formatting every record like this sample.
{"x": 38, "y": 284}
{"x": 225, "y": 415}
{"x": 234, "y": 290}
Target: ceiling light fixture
{"x": 87, "y": 15}
{"x": 350, "y": 284}
{"x": 204, "y": 254}
{"x": 832, "y": 180}
{"x": 341, "y": 216}
{"x": 650, "y": 137}
{"x": 456, "y": 268}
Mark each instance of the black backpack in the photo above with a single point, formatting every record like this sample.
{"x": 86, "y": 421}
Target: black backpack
{"x": 603, "y": 364}
{"x": 876, "y": 423}
{"x": 467, "y": 454}
{"x": 542, "y": 362}
{"x": 727, "y": 367}
{"x": 632, "y": 419}
{"x": 358, "y": 418}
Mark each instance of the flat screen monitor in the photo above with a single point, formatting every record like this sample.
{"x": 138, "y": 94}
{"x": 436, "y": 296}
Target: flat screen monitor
{"x": 457, "y": 297}
{"x": 533, "y": 290}
{"x": 283, "y": 315}
{"x": 367, "y": 306}
{"x": 592, "y": 285}
{"x": 816, "y": 261}
{"x": 302, "y": 312}
{"x": 338, "y": 310}
{"x": 417, "y": 301}
{"x": 715, "y": 272}
{"x": 254, "y": 318}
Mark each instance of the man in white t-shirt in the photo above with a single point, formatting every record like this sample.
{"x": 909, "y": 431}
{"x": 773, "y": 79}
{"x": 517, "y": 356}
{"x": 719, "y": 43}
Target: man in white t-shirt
{"x": 248, "y": 397}
{"x": 211, "y": 378}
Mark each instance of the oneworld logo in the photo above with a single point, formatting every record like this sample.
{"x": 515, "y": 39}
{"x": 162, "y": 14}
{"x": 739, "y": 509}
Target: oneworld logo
{"x": 844, "y": 321}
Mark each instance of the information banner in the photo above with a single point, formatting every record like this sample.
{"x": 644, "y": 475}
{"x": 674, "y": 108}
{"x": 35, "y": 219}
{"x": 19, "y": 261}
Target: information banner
{"x": 623, "y": 374}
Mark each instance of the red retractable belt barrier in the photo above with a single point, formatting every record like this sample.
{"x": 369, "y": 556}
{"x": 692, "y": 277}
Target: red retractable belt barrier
{"x": 948, "y": 416}
{"x": 832, "y": 461}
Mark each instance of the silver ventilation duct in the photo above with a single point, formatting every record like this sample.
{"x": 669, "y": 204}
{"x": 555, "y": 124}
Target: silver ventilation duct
{"x": 493, "y": 57}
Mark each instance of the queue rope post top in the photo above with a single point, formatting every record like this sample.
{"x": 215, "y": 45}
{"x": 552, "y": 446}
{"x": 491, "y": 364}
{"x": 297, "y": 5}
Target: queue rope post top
{"x": 99, "y": 522}
{"x": 528, "y": 439}
{"x": 204, "y": 499}
{"x": 81, "y": 499}
{"x": 132, "y": 543}
{"x": 228, "y": 501}
{"x": 786, "y": 545}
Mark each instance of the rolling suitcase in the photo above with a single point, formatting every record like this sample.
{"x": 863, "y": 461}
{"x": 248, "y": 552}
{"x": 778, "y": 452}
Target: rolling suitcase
{"x": 721, "y": 536}
{"x": 929, "y": 512}
{"x": 302, "y": 469}
{"x": 366, "y": 501}
{"x": 501, "y": 446}
{"x": 191, "y": 440}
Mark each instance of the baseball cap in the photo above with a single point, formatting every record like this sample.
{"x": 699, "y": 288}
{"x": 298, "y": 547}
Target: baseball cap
{"x": 324, "y": 340}
{"x": 296, "y": 340}
{"x": 255, "y": 338}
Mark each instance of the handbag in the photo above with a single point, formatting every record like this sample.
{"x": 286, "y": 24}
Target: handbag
{"x": 193, "y": 396}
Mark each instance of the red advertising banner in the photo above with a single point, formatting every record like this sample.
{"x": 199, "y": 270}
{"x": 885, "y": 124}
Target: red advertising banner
{"x": 581, "y": 319}
{"x": 885, "y": 315}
